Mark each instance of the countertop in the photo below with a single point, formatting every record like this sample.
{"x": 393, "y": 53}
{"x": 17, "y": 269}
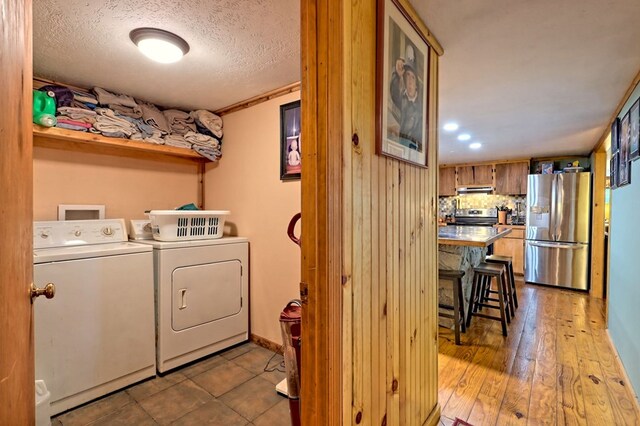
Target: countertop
{"x": 475, "y": 236}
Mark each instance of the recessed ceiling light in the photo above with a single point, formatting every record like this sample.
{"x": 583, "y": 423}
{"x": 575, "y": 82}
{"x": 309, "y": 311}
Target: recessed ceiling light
{"x": 159, "y": 45}
{"x": 450, "y": 126}
{"x": 475, "y": 145}
{"x": 464, "y": 137}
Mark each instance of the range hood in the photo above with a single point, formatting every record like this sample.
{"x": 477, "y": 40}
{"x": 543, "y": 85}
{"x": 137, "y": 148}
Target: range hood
{"x": 475, "y": 190}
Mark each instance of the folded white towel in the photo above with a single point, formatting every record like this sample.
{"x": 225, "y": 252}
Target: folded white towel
{"x": 200, "y": 139}
{"x": 108, "y": 122}
{"x": 177, "y": 141}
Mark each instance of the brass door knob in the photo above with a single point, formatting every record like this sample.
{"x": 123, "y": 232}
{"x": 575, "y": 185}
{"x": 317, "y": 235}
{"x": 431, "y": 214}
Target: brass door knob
{"x": 48, "y": 291}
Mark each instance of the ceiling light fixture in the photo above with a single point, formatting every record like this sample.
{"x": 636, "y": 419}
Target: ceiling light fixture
{"x": 464, "y": 137}
{"x": 159, "y": 45}
{"x": 475, "y": 145}
{"x": 450, "y": 126}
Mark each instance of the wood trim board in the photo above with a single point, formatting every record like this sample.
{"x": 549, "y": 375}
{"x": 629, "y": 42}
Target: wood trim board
{"x": 17, "y": 392}
{"x": 266, "y": 343}
{"x": 616, "y": 111}
{"x": 597, "y": 225}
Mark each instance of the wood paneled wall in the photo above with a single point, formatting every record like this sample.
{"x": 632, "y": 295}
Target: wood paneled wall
{"x": 369, "y": 230}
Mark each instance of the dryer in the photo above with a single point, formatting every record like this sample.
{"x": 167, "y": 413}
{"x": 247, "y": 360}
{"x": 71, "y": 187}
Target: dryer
{"x": 97, "y": 334}
{"x": 202, "y": 298}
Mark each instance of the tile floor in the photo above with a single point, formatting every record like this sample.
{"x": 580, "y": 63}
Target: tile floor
{"x": 230, "y": 388}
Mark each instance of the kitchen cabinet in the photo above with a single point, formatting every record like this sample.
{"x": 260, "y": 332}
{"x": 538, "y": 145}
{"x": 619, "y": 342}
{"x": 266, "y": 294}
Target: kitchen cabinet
{"x": 511, "y": 178}
{"x": 483, "y": 175}
{"x": 465, "y": 175}
{"x": 478, "y": 175}
{"x": 447, "y": 181}
{"x": 512, "y": 245}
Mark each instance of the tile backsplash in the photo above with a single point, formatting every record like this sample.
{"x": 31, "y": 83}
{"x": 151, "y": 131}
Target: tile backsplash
{"x": 447, "y": 205}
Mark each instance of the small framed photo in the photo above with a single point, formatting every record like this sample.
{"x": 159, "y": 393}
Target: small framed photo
{"x": 290, "y": 148}
{"x": 615, "y": 135}
{"x": 634, "y": 129}
{"x": 546, "y": 168}
{"x": 402, "y": 86}
{"x": 613, "y": 170}
{"x": 624, "y": 174}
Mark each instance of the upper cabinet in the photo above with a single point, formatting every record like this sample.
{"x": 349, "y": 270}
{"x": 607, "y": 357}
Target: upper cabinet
{"x": 511, "y": 178}
{"x": 447, "y": 181}
{"x": 483, "y": 175}
{"x": 506, "y": 178}
{"x": 478, "y": 175}
{"x": 465, "y": 175}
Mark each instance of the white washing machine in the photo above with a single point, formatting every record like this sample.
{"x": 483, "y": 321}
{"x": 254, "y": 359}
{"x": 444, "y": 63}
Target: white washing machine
{"x": 97, "y": 334}
{"x": 202, "y": 298}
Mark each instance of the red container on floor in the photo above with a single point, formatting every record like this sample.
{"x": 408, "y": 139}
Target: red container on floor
{"x": 290, "y": 326}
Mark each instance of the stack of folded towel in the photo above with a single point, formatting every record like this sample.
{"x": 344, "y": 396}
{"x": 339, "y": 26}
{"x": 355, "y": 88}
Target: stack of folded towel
{"x": 154, "y": 117}
{"x": 121, "y": 116}
{"x": 122, "y": 104}
{"x": 177, "y": 140}
{"x": 208, "y": 123}
{"x": 144, "y": 132}
{"x": 84, "y": 100}
{"x": 180, "y": 122}
{"x": 113, "y": 126}
{"x": 76, "y": 118}
{"x": 204, "y": 145}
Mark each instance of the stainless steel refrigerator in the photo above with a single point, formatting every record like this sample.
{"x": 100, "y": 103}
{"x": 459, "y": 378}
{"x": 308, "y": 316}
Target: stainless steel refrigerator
{"x": 558, "y": 230}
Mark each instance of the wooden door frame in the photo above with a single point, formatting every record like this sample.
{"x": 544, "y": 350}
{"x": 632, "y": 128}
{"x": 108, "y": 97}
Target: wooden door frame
{"x": 322, "y": 191}
{"x": 599, "y": 170}
{"x": 598, "y": 202}
{"x": 17, "y": 390}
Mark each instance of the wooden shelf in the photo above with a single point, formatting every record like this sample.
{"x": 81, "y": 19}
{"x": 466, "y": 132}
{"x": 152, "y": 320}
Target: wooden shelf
{"x": 71, "y": 140}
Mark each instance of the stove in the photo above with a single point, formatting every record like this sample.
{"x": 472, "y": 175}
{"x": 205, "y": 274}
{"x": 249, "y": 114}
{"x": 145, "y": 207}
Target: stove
{"x": 476, "y": 217}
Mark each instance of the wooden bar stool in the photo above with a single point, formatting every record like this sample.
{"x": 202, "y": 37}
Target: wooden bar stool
{"x": 507, "y": 261}
{"x": 483, "y": 274}
{"x": 458, "y": 304}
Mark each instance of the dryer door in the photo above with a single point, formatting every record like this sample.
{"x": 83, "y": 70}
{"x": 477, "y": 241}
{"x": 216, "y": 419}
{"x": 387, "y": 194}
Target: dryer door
{"x": 205, "y": 293}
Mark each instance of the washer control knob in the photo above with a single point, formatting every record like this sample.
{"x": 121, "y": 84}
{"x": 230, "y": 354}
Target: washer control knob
{"x": 77, "y": 233}
{"x": 107, "y": 231}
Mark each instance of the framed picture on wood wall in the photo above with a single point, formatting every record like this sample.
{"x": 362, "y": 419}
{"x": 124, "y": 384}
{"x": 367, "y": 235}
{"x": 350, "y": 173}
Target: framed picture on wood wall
{"x": 624, "y": 173}
{"x": 290, "y": 147}
{"x": 402, "y": 86}
{"x": 634, "y": 129}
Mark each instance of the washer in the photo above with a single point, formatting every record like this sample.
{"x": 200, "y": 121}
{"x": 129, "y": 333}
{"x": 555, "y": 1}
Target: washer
{"x": 202, "y": 295}
{"x": 97, "y": 334}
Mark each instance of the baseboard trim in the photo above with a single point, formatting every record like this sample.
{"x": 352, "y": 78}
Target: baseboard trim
{"x": 266, "y": 343}
{"x": 624, "y": 373}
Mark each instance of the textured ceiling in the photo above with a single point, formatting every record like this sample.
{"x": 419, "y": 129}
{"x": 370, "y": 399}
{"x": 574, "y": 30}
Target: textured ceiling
{"x": 531, "y": 78}
{"x": 239, "y": 49}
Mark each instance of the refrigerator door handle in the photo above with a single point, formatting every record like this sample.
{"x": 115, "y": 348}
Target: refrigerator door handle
{"x": 557, "y": 245}
{"x": 554, "y": 210}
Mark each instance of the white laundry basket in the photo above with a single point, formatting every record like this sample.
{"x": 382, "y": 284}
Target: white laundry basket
{"x": 43, "y": 404}
{"x": 184, "y": 225}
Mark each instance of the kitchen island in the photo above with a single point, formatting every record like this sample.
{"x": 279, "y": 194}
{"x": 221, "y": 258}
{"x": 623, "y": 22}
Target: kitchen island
{"x": 461, "y": 248}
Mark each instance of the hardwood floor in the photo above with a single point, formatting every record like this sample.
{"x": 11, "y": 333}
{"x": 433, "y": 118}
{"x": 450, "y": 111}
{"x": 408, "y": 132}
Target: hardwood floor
{"x": 556, "y": 366}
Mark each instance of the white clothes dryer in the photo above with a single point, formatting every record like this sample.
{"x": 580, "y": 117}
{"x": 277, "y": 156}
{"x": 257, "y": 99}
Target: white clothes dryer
{"x": 202, "y": 298}
{"x": 97, "y": 334}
